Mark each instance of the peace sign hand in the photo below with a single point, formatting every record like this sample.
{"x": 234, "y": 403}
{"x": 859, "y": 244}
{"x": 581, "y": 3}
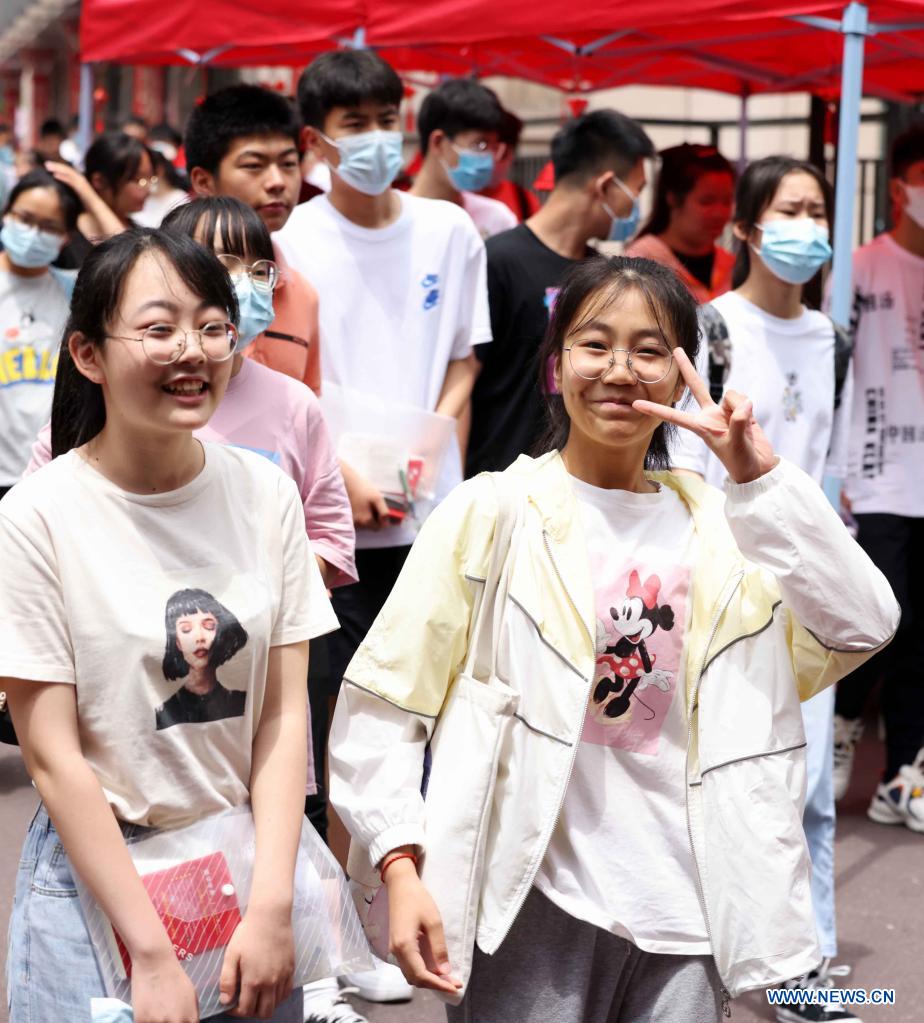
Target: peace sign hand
{"x": 728, "y": 429}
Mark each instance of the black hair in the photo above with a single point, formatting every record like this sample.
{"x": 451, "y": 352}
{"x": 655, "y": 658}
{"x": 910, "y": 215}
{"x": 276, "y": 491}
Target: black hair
{"x": 906, "y": 149}
{"x": 51, "y": 126}
{"x": 78, "y": 411}
{"x": 71, "y": 206}
{"x": 681, "y": 168}
{"x": 510, "y": 130}
{"x": 233, "y": 113}
{"x": 596, "y": 142}
{"x": 135, "y": 119}
{"x": 242, "y": 229}
{"x": 756, "y": 188}
{"x": 457, "y": 105}
{"x": 671, "y": 305}
{"x": 163, "y": 131}
{"x": 230, "y": 636}
{"x": 116, "y": 157}
{"x": 346, "y": 78}
{"x": 165, "y": 171}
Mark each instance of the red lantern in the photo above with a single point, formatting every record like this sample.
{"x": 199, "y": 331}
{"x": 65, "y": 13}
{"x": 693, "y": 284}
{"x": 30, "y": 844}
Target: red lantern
{"x": 100, "y": 95}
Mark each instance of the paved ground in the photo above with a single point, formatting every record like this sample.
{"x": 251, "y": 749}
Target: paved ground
{"x": 880, "y": 876}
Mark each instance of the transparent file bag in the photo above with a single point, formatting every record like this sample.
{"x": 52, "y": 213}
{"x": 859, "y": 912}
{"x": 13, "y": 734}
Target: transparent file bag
{"x": 199, "y": 878}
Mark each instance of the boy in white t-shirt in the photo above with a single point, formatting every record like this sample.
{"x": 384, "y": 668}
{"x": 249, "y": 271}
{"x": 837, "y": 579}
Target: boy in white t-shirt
{"x": 403, "y": 298}
{"x": 885, "y": 485}
{"x": 459, "y": 124}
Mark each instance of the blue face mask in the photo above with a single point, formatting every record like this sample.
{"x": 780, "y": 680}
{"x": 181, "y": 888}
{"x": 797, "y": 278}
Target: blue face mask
{"x": 7, "y": 156}
{"x": 623, "y": 228}
{"x": 369, "y": 161}
{"x": 473, "y": 171}
{"x": 794, "y": 250}
{"x": 29, "y": 247}
{"x": 257, "y": 311}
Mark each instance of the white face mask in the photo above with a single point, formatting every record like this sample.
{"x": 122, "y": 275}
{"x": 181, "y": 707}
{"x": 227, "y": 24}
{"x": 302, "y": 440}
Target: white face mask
{"x": 914, "y": 206}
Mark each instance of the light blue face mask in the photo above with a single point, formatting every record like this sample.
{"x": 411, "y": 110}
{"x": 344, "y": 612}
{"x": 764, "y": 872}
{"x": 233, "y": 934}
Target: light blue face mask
{"x": 473, "y": 171}
{"x": 7, "y": 156}
{"x": 623, "y": 228}
{"x": 369, "y": 161}
{"x": 29, "y": 247}
{"x": 794, "y": 250}
{"x": 256, "y": 308}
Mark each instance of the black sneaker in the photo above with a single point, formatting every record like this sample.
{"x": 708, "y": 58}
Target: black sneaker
{"x": 831, "y": 1010}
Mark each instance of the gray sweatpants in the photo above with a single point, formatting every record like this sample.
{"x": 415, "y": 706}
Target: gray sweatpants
{"x": 553, "y": 968}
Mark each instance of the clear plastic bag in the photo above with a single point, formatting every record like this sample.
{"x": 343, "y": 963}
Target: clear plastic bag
{"x": 199, "y": 877}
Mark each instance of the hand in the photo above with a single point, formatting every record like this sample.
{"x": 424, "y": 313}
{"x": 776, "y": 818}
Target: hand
{"x": 369, "y": 508}
{"x": 69, "y": 175}
{"x": 416, "y": 931}
{"x": 259, "y": 964}
{"x": 161, "y": 991}
{"x": 656, "y": 677}
{"x": 729, "y": 430}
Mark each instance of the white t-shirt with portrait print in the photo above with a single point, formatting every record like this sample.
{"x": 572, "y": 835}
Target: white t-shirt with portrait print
{"x": 161, "y": 609}
{"x": 620, "y": 857}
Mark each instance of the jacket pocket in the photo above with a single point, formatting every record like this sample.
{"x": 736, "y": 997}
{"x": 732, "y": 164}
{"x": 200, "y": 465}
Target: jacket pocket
{"x": 757, "y": 865}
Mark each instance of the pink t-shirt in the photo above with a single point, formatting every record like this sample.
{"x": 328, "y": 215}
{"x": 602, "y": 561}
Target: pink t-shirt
{"x": 279, "y": 418}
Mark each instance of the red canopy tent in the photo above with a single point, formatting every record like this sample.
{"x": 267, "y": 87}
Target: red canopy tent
{"x": 731, "y": 45}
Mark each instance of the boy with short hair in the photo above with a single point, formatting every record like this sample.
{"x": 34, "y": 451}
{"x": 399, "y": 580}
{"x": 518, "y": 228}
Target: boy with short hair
{"x": 885, "y": 487}
{"x": 599, "y": 160}
{"x": 459, "y": 124}
{"x": 403, "y": 300}
{"x": 243, "y": 141}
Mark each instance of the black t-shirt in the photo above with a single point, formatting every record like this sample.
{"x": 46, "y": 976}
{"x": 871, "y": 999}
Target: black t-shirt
{"x": 700, "y": 267}
{"x": 507, "y": 406}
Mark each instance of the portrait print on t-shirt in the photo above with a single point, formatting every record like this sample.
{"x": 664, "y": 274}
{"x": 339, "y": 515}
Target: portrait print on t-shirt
{"x": 640, "y": 629}
{"x": 202, "y": 635}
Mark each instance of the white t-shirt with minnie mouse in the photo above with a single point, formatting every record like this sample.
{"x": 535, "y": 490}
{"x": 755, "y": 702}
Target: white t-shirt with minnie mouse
{"x": 620, "y": 856}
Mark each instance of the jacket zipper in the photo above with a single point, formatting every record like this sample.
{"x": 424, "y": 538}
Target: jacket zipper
{"x": 720, "y": 610}
{"x": 574, "y": 746}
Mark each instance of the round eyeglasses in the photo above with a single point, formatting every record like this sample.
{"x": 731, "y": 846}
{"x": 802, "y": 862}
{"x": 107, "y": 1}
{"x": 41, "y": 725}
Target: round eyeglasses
{"x": 648, "y": 362}
{"x": 165, "y": 343}
{"x": 263, "y": 273}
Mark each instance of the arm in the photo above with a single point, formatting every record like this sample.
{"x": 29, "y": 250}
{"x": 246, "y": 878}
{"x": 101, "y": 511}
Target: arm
{"x": 389, "y": 705}
{"x": 328, "y": 513}
{"x": 45, "y": 718}
{"x": 457, "y": 386}
{"x": 108, "y": 223}
{"x": 260, "y": 958}
{"x": 366, "y": 502}
{"x": 782, "y": 521}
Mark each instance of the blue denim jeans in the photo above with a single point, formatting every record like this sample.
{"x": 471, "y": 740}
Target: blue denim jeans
{"x": 51, "y": 969}
{"x": 818, "y": 818}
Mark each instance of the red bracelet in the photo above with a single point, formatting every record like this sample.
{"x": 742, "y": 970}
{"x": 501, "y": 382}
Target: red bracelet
{"x": 394, "y": 859}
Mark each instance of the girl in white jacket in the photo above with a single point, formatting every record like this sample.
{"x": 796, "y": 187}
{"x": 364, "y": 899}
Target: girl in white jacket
{"x": 643, "y": 856}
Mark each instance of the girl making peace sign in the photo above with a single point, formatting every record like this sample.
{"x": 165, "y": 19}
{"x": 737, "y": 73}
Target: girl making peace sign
{"x": 644, "y": 856}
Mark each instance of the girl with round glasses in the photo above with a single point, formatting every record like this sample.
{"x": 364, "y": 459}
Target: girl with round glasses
{"x": 135, "y": 514}
{"x": 655, "y": 643}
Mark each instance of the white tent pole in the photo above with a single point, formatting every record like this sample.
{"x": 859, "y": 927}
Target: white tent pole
{"x": 854, "y": 25}
{"x": 85, "y": 109}
{"x": 743, "y": 125}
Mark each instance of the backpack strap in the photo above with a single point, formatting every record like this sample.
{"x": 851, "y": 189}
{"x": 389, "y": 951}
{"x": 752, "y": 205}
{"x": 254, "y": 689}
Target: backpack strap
{"x": 843, "y": 350}
{"x": 714, "y": 329}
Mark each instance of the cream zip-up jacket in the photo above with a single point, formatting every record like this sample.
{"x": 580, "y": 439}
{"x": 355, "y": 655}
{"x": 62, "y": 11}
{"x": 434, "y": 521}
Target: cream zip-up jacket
{"x": 784, "y": 603}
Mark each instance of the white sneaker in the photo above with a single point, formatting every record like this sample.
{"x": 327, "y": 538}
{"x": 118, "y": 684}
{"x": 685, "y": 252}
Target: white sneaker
{"x": 325, "y": 1002}
{"x": 385, "y": 983}
{"x": 901, "y": 800}
{"x": 846, "y": 736}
